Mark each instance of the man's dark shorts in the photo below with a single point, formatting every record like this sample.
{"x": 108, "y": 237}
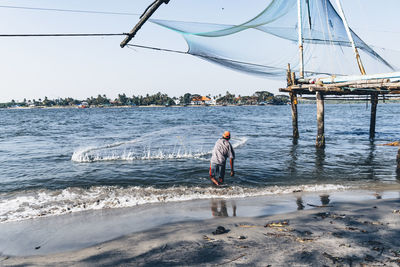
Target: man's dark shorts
{"x": 217, "y": 170}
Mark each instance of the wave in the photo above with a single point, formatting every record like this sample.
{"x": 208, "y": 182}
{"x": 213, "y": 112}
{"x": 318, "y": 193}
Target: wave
{"x": 24, "y": 205}
{"x": 171, "y": 143}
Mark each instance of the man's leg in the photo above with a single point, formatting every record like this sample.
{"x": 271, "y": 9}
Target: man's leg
{"x": 221, "y": 174}
{"x": 213, "y": 173}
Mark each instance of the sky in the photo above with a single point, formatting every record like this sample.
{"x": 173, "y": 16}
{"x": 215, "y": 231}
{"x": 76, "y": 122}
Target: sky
{"x": 81, "y": 67}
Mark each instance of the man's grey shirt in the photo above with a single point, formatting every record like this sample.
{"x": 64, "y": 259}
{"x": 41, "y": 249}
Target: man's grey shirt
{"x": 222, "y": 150}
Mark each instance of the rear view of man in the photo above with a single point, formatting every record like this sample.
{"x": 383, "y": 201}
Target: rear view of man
{"x": 222, "y": 150}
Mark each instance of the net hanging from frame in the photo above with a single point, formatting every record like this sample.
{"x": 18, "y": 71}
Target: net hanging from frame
{"x": 265, "y": 44}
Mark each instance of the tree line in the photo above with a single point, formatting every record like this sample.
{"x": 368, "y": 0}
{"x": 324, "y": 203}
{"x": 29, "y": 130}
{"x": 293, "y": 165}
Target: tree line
{"x": 259, "y": 97}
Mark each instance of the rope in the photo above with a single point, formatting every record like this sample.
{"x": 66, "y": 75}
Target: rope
{"x": 213, "y": 58}
{"x": 159, "y": 49}
{"x": 203, "y": 56}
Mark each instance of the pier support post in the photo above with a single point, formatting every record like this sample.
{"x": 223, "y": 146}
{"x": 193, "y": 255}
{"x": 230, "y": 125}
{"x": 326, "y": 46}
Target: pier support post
{"x": 374, "y": 104}
{"x": 293, "y": 101}
{"x": 320, "y": 143}
{"x": 398, "y": 161}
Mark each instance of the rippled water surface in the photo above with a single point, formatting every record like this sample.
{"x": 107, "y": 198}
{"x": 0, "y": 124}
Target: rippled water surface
{"x": 61, "y": 160}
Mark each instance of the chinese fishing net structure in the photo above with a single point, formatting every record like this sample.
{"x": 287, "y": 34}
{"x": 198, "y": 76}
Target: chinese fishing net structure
{"x": 265, "y": 44}
{"x": 310, "y": 37}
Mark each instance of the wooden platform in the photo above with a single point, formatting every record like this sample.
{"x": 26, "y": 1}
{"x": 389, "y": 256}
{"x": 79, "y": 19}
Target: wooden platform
{"x": 373, "y": 85}
{"x": 361, "y": 87}
{"x": 381, "y": 83}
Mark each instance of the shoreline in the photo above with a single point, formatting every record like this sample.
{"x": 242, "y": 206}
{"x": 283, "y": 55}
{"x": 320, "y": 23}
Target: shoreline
{"x": 42, "y": 203}
{"x": 186, "y": 106}
{"x": 147, "y": 106}
{"x": 164, "y": 228}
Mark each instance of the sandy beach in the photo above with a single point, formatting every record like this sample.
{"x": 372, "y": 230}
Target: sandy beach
{"x": 363, "y": 232}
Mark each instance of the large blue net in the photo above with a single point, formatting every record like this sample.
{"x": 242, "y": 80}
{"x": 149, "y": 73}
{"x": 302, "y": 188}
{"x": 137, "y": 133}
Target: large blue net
{"x": 265, "y": 44}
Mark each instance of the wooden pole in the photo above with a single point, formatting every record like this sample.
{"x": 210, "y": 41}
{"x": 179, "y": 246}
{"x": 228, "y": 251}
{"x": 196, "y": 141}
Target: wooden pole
{"x": 289, "y": 76}
{"x": 320, "y": 143}
{"x": 350, "y": 36}
{"x": 374, "y": 104}
{"x": 300, "y": 37}
{"x": 146, "y": 15}
{"x": 398, "y": 161}
{"x": 293, "y": 101}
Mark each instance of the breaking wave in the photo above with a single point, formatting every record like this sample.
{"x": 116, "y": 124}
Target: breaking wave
{"x": 42, "y": 203}
{"x": 172, "y": 143}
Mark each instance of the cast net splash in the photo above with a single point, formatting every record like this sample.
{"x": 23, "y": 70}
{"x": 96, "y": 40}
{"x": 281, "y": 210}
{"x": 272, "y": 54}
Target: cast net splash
{"x": 265, "y": 44}
{"x": 167, "y": 144}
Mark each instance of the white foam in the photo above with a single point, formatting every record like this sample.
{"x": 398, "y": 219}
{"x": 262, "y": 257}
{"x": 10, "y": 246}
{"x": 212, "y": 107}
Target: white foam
{"x": 34, "y": 204}
{"x": 84, "y": 156}
{"x": 144, "y": 148}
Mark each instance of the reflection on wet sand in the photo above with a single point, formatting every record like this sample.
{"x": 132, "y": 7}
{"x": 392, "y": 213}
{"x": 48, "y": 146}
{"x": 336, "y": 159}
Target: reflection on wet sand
{"x": 299, "y": 202}
{"x": 370, "y": 161}
{"x": 324, "y": 200}
{"x": 219, "y": 209}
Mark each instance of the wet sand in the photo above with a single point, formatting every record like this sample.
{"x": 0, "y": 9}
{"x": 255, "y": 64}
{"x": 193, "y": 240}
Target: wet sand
{"x": 335, "y": 233}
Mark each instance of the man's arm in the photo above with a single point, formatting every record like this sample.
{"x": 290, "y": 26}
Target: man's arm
{"x": 231, "y": 158}
{"x": 232, "y": 170}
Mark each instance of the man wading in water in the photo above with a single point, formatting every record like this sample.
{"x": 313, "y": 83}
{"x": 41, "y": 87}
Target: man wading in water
{"x": 222, "y": 150}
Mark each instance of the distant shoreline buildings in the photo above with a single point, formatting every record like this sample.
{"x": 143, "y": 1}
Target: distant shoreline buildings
{"x": 159, "y": 99}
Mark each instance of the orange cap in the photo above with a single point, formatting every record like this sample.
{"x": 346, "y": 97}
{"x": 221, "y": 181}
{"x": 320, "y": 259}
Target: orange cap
{"x": 227, "y": 135}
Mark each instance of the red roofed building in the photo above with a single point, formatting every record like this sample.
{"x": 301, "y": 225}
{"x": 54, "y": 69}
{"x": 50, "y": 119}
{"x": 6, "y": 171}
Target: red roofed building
{"x": 201, "y": 100}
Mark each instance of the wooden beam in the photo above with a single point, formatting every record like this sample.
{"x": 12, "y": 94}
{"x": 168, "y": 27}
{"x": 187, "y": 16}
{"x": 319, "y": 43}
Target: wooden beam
{"x": 145, "y": 16}
{"x": 372, "y": 81}
{"x": 393, "y": 76}
{"x": 350, "y": 36}
{"x": 293, "y": 78}
{"x": 320, "y": 143}
{"x": 293, "y": 101}
{"x": 374, "y": 104}
{"x": 376, "y": 86}
{"x": 300, "y": 37}
{"x": 344, "y": 86}
{"x": 289, "y": 76}
{"x": 337, "y": 91}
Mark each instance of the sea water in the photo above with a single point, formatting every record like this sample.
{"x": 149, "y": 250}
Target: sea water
{"x": 59, "y": 161}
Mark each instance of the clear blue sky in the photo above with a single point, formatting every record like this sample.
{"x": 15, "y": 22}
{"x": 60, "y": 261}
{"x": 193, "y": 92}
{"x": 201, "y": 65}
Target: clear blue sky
{"x": 81, "y": 67}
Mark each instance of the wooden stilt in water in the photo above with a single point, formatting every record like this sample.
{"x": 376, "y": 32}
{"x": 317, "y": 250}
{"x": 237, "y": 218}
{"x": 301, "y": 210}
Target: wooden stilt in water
{"x": 374, "y": 104}
{"x": 320, "y": 143}
{"x": 291, "y": 80}
{"x": 293, "y": 101}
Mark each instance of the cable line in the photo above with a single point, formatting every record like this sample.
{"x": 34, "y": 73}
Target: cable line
{"x": 63, "y": 34}
{"x": 71, "y": 10}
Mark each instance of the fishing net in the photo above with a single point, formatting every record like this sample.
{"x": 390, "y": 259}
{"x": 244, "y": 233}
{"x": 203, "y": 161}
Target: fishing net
{"x": 265, "y": 44}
